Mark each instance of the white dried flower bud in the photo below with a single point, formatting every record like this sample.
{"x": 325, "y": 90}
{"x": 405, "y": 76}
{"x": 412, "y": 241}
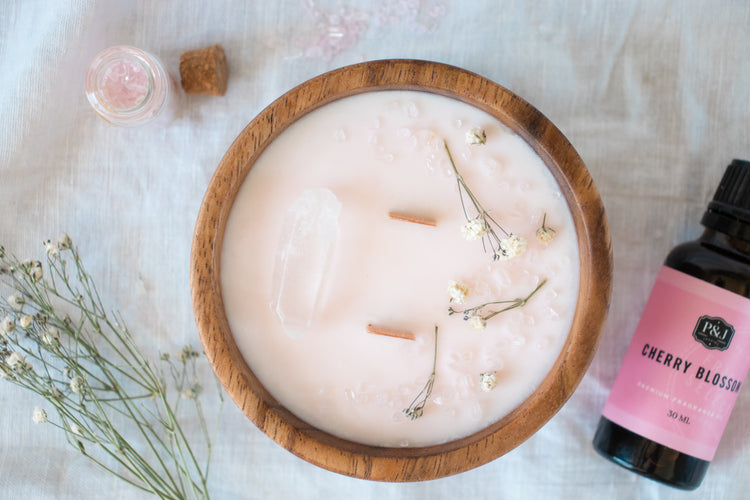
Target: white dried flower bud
{"x": 75, "y": 429}
{"x": 476, "y": 136}
{"x": 487, "y": 381}
{"x": 64, "y": 242}
{"x": 16, "y": 360}
{"x": 51, "y": 248}
{"x": 51, "y": 336}
{"x": 186, "y": 353}
{"x": 76, "y": 385}
{"x": 16, "y": 302}
{"x": 34, "y": 268}
{"x": 39, "y": 416}
{"x": 458, "y": 291}
{"x": 25, "y": 322}
{"x": 193, "y": 392}
{"x": 7, "y": 325}
{"x": 510, "y": 247}
{"x": 477, "y": 323}
{"x": 474, "y": 229}
{"x": 545, "y": 234}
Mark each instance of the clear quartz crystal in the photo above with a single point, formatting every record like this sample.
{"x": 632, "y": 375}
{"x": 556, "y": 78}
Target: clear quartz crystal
{"x": 303, "y": 258}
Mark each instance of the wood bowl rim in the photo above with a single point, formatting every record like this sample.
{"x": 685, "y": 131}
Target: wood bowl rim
{"x": 402, "y": 464}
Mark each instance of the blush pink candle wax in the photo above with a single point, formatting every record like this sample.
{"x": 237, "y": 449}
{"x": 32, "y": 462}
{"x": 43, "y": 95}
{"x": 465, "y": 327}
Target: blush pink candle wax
{"x": 351, "y": 222}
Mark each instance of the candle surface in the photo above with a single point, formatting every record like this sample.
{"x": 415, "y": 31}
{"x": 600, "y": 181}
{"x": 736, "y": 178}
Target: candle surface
{"x": 377, "y": 154}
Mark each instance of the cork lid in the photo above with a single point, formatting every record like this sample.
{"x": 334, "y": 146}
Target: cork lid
{"x": 729, "y": 211}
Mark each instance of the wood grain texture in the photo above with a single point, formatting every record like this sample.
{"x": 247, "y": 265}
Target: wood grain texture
{"x": 402, "y": 464}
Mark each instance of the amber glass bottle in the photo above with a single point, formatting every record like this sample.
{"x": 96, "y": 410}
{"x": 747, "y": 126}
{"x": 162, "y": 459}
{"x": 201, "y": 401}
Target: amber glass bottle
{"x": 661, "y": 406}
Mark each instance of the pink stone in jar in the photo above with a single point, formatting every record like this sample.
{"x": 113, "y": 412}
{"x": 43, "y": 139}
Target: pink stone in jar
{"x": 124, "y": 84}
{"x": 127, "y": 86}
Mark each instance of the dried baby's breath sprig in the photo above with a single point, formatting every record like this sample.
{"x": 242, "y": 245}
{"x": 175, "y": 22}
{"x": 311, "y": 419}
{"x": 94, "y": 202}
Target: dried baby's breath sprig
{"x": 476, "y": 316}
{"x": 64, "y": 242}
{"x": 477, "y": 322}
{"x": 458, "y": 292}
{"x": 545, "y": 234}
{"x": 481, "y": 225}
{"x": 25, "y": 322}
{"x": 487, "y": 381}
{"x": 39, "y": 416}
{"x": 15, "y": 302}
{"x": 58, "y": 341}
{"x": 7, "y": 325}
{"x": 510, "y": 247}
{"x": 476, "y": 136}
{"x": 416, "y": 408}
{"x": 51, "y": 248}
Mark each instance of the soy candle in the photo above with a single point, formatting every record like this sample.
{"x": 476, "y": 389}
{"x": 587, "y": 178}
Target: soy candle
{"x": 353, "y": 253}
{"x": 129, "y": 87}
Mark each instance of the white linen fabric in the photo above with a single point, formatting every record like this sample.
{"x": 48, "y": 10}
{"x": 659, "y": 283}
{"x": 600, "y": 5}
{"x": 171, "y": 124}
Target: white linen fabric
{"x": 655, "y": 96}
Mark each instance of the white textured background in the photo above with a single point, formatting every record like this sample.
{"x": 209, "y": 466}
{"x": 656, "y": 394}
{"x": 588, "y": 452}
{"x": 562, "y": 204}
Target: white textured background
{"x": 655, "y": 96}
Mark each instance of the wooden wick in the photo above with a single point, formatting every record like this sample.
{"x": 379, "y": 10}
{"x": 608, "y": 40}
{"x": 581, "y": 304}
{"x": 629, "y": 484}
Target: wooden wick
{"x": 412, "y": 218}
{"x": 390, "y": 332}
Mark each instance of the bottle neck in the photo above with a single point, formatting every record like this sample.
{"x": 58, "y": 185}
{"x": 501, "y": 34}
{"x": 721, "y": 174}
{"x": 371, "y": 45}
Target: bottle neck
{"x": 725, "y": 243}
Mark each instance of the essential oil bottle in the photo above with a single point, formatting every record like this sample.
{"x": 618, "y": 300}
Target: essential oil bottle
{"x": 690, "y": 352}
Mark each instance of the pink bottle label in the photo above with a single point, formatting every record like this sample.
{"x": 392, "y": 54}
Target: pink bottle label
{"x": 685, "y": 365}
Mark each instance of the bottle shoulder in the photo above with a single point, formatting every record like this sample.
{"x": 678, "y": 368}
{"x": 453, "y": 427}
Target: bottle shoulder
{"x": 714, "y": 263}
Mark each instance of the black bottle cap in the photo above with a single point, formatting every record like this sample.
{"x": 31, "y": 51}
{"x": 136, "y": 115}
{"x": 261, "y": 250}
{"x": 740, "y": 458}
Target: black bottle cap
{"x": 729, "y": 211}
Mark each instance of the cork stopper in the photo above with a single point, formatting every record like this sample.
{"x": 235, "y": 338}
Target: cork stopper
{"x": 204, "y": 71}
{"x": 729, "y": 211}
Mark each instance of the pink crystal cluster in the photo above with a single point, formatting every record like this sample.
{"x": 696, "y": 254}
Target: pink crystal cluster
{"x": 124, "y": 84}
{"x": 335, "y": 30}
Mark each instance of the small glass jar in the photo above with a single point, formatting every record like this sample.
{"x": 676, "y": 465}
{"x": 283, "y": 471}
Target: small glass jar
{"x": 129, "y": 87}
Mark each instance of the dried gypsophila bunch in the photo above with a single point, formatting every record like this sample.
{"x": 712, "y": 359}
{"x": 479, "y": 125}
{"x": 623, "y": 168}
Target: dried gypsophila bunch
{"x": 482, "y": 226}
{"x": 477, "y": 317}
{"x": 58, "y": 341}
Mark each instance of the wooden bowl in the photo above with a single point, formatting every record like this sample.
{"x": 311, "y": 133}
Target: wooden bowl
{"x": 402, "y": 464}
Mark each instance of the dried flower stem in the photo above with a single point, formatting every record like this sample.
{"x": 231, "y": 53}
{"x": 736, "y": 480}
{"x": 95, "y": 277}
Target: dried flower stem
{"x": 416, "y": 408}
{"x": 514, "y": 303}
{"x": 490, "y": 237}
{"x": 544, "y": 222}
{"x": 105, "y": 393}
